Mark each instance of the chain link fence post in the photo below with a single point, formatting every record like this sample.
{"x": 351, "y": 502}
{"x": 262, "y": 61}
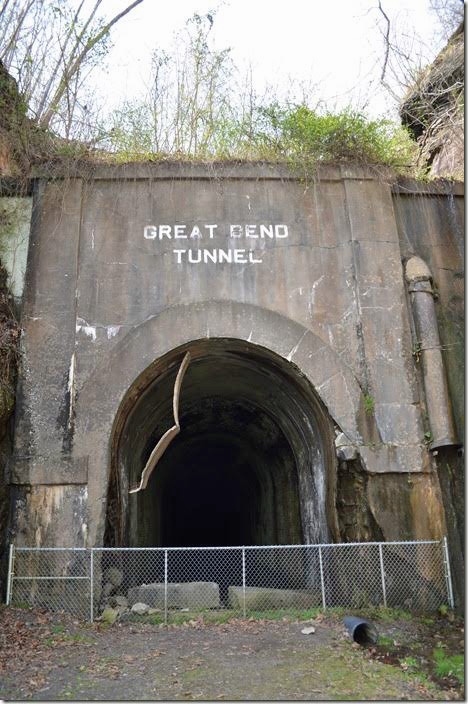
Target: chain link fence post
{"x": 448, "y": 574}
{"x": 91, "y": 579}
{"x": 382, "y": 576}
{"x": 243, "y": 580}
{"x": 165, "y": 587}
{"x": 11, "y": 562}
{"x": 322, "y": 581}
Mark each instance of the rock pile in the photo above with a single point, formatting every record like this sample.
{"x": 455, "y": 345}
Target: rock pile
{"x": 152, "y": 598}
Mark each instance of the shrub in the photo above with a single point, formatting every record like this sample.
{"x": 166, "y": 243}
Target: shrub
{"x": 301, "y": 133}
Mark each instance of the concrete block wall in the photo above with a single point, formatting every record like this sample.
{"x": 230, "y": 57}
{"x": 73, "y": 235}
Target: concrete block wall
{"x": 108, "y": 293}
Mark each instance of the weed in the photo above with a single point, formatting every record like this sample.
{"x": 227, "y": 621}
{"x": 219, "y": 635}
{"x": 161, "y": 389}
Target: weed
{"x": 21, "y": 605}
{"x": 62, "y": 635}
{"x": 369, "y": 404}
{"x": 154, "y": 619}
{"x": 426, "y": 620}
{"x": 291, "y": 613}
{"x": 78, "y": 638}
{"x": 420, "y": 678}
{"x": 409, "y": 663}
{"x": 386, "y": 614}
{"x": 217, "y": 617}
{"x": 385, "y": 640}
{"x": 428, "y": 438}
{"x": 417, "y": 349}
{"x": 58, "y": 629}
{"x": 449, "y": 665}
{"x": 225, "y": 615}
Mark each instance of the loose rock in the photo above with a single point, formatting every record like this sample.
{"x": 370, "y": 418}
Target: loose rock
{"x": 115, "y": 576}
{"x": 109, "y": 615}
{"x": 107, "y": 590}
{"x": 121, "y": 600}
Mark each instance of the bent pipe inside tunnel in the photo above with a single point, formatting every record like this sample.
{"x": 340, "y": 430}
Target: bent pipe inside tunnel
{"x": 252, "y": 464}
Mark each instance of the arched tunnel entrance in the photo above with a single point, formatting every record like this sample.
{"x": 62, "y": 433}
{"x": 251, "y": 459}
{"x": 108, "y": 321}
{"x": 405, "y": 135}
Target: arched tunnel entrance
{"x": 252, "y": 464}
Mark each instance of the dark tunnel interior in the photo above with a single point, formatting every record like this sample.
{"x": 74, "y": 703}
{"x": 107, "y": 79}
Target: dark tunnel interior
{"x": 215, "y": 491}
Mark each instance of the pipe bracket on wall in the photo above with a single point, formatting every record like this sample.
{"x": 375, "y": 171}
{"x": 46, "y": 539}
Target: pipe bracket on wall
{"x": 170, "y": 434}
{"x": 428, "y": 347}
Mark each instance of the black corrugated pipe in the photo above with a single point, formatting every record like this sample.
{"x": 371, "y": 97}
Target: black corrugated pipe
{"x": 360, "y": 630}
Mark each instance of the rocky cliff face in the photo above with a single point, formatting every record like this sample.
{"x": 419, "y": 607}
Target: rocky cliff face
{"x": 12, "y": 114}
{"x": 12, "y": 165}
{"x": 9, "y": 338}
{"x": 22, "y": 142}
{"x": 434, "y": 112}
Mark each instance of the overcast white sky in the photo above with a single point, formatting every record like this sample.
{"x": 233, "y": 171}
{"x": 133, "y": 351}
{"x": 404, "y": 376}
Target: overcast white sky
{"x": 337, "y": 45}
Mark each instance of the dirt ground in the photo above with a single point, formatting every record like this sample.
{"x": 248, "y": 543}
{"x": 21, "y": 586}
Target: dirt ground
{"x": 50, "y": 657}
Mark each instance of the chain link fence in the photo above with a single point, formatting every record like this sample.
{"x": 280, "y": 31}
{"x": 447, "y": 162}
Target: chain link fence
{"x": 239, "y": 581}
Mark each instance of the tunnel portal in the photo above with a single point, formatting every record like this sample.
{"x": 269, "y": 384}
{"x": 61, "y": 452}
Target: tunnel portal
{"x": 250, "y": 466}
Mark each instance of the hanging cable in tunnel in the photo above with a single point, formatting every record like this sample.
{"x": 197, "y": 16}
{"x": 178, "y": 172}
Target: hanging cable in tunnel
{"x": 169, "y": 435}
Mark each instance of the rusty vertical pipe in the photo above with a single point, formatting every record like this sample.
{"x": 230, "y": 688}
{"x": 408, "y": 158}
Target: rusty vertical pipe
{"x": 419, "y": 279}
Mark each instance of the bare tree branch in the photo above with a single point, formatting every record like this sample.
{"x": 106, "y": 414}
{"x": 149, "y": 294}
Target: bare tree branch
{"x": 63, "y": 49}
{"x": 14, "y": 37}
{"x": 74, "y": 64}
{"x": 387, "y": 42}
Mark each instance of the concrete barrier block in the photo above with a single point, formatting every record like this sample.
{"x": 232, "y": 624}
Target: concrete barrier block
{"x": 180, "y": 595}
{"x": 259, "y": 598}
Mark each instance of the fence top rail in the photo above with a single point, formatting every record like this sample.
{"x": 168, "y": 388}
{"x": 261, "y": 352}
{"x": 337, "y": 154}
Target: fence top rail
{"x": 228, "y": 547}
{"x": 38, "y": 549}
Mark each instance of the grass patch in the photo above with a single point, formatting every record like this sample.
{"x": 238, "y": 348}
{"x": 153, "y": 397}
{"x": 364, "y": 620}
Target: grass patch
{"x": 176, "y": 618}
{"x": 385, "y": 614}
{"x": 78, "y": 638}
{"x": 291, "y": 614}
{"x": 153, "y": 619}
{"x": 385, "y": 640}
{"x": 449, "y": 665}
{"x": 21, "y": 605}
{"x": 427, "y": 621}
{"x": 58, "y": 629}
{"x": 60, "y": 635}
{"x": 224, "y": 615}
{"x": 218, "y": 616}
{"x": 344, "y": 674}
{"x": 409, "y": 663}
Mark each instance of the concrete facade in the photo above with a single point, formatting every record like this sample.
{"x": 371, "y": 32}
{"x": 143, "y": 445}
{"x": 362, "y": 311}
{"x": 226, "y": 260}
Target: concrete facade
{"x": 298, "y": 318}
